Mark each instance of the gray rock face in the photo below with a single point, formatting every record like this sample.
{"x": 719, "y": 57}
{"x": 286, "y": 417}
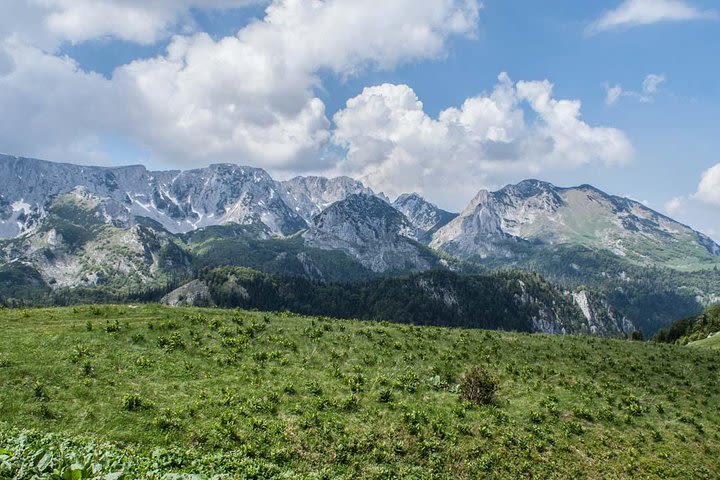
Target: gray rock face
{"x": 308, "y": 196}
{"x": 425, "y": 216}
{"x": 476, "y": 232}
{"x": 602, "y": 319}
{"x": 505, "y": 224}
{"x": 370, "y": 230}
{"x": 193, "y": 294}
{"x": 179, "y": 201}
{"x": 77, "y": 244}
{"x": 533, "y": 214}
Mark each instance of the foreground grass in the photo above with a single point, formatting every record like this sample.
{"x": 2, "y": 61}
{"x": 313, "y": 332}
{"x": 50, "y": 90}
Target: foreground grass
{"x": 255, "y": 395}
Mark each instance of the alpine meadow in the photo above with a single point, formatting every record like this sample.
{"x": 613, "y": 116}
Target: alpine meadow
{"x": 330, "y": 239}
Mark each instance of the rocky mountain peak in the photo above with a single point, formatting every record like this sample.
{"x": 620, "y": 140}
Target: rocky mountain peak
{"x": 528, "y": 188}
{"x": 365, "y": 211}
{"x": 534, "y": 214}
{"x": 369, "y": 229}
{"x": 308, "y": 196}
{"x": 424, "y": 216}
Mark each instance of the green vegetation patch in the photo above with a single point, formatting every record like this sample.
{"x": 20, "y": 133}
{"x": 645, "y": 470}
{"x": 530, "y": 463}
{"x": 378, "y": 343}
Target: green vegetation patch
{"x": 140, "y": 392}
{"x": 699, "y": 330}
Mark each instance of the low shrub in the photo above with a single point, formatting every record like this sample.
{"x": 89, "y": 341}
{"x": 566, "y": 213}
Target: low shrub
{"x": 478, "y": 386}
{"x": 134, "y": 402}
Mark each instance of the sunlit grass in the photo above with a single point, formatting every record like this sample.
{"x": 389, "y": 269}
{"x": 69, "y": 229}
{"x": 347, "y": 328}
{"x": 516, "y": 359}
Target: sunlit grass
{"x": 326, "y": 398}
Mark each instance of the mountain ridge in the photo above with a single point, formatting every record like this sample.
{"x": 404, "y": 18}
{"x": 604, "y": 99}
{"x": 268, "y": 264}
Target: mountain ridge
{"x": 533, "y": 214}
{"x": 102, "y": 230}
{"x": 221, "y": 193}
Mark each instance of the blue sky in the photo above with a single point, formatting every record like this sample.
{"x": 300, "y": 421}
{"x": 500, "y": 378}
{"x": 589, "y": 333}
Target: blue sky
{"x": 662, "y": 141}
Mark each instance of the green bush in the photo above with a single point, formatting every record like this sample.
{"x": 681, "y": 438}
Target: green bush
{"x": 478, "y": 386}
{"x": 134, "y": 402}
{"x": 171, "y": 343}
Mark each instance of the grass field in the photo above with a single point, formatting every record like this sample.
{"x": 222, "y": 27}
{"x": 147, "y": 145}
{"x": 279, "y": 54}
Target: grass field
{"x": 123, "y": 392}
{"x": 712, "y": 343}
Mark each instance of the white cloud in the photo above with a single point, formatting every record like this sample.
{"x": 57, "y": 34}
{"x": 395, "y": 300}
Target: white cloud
{"x": 652, "y": 82}
{"x": 700, "y": 209}
{"x": 650, "y": 88}
{"x": 49, "y": 106}
{"x": 709, "y": 188}
{"x": 247, "y": 98}
{"x": 613, "y": 94}
{"x": 396, "y": 147}
{"x": 645, "y": 12}
{"x": 47, "y": 23}
{"x": 675, "y": 205}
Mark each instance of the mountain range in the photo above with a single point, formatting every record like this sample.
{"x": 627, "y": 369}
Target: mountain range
{"x": 128, "y": 229}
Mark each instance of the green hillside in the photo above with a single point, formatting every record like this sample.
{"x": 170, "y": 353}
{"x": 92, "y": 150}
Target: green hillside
{"x": 125, "y": 392}
{"x": 698, "y": 330}
{"x": 653, "y": 297}
{"x": 712, "y": 342}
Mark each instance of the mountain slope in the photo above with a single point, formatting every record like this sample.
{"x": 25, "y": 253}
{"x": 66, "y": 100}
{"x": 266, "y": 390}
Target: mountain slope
{"x": 308, "y": 196}
{"x": 510, "y": 300}
{"x": 179, "y": 201}
{"x": 91, "y": 229}
{"x": 370, "y": 230}
{"x": 703, "y": 329}
{"x": 425, "y": 216}
{"x": 521, "y": 219}
{"x": 77, "y": 245}
{"x": 242, "y": 246}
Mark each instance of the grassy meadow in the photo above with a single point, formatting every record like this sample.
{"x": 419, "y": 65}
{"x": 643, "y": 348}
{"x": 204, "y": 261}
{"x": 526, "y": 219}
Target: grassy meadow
{"x": 123, "y": 392}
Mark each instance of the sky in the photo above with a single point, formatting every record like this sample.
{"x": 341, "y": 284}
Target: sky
{"x": 441, "y": 97}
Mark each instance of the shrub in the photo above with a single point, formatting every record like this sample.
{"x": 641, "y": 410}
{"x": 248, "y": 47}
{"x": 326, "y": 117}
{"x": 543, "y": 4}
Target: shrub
{"x": 40, "y": 392}
{"x": 583, "y": 413}
{"x": 143, "y": 362}
{"x": 46, "y": 412}
{"x": 356, "y": 382}
{"x": 169, "y": 420}
{"x": 349, "y": 404}
{"x": 171, "y": 343}
{"x": 134, "y": 402}
{"x": 385, "y": 396}
{"x": 113, "y": 327}
{"x": 79, "y": 352}
{"x": 315, "y": 388}
{"x": 88, "y": 369}
{"x": 478, "y": 386}
{"x": 137, "y": 338}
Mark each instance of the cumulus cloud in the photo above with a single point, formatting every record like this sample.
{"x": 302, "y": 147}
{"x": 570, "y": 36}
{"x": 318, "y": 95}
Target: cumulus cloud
{"x": 709, "y": 188}
{"x": 700, "y": 208}
{"x": 396, "y": 147}
{"x": 251, "y": 98}
{"x": 47, "y": 23}
{"x": 48, "y": 101}
{"x": 632, "y": 13}
{"x": 675, "y": 205}
{"x": 247, "y": 98}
